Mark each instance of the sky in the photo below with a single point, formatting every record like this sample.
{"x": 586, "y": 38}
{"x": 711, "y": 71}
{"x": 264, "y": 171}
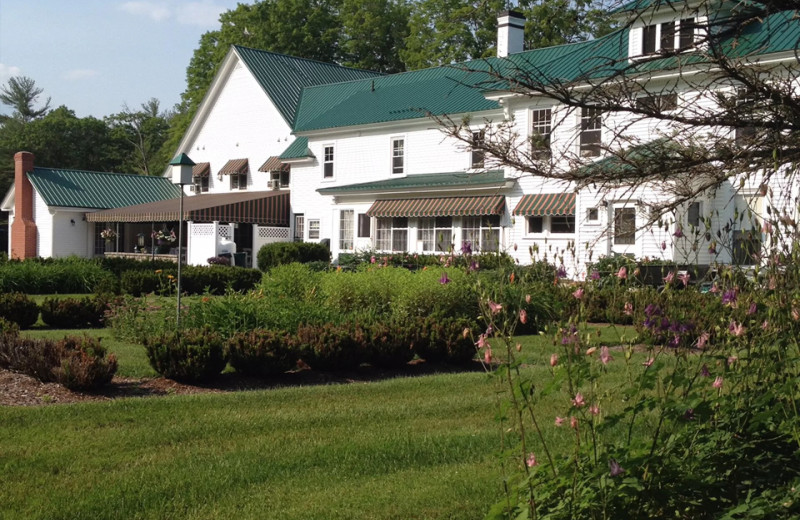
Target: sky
{"x": 94, "y": 56}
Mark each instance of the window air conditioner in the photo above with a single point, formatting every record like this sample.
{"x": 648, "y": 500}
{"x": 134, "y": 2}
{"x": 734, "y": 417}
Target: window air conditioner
{"x": 275, "y": 184}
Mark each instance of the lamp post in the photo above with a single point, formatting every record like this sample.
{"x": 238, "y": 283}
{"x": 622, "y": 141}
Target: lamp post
{"x": 181, "y": 175}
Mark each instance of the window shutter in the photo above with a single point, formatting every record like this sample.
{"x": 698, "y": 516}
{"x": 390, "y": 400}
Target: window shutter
{"x": 635, "y": 42}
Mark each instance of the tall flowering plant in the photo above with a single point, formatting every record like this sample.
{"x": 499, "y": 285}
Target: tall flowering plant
{"x": 108, "y": 234}
{"x": 163, "y": 236}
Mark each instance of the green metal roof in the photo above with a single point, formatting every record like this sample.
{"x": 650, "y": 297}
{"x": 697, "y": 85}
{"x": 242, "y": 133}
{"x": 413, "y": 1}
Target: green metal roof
{"x": 297, "y": 150}
{"x": 429, "y": 180}
{"x": 283, "y": 77}
{"x": 102, "y": 190}
{"x": 460, "y": 88}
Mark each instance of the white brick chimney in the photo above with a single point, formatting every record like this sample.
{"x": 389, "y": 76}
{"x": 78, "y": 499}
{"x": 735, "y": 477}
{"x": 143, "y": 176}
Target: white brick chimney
{"x": 510, "y": 33}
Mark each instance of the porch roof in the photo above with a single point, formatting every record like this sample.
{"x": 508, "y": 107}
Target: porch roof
{"x": 427, "y": 181}
{"x": 266, "y": 208}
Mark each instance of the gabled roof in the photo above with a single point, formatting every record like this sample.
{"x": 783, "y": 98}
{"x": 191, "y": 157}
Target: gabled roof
{"x": 451, "y": 180}
{"x": 297, "y": 150}
{"x": 283, "y": 77}
{"x": 460, "y": 88}
{"x": 102, "y": 190}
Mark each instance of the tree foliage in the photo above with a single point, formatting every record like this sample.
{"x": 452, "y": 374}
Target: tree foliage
{"x": 21, "y": 94}
{"x": 140, "y": 135}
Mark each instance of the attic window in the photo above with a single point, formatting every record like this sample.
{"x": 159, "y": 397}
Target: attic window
{"x": 658, "y": 37}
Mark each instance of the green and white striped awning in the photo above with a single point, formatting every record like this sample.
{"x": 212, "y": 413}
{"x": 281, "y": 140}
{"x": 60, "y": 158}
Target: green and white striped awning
{"x": 546, "y": 204}
{"x": 439, "y": 207}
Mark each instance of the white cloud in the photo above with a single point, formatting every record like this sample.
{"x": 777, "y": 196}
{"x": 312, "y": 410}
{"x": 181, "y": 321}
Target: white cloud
{"x": 202, "y": 14}
{"x": 79, "y": 74}
{"x": 156, "y": 11}
{"x": 7, "y": 71}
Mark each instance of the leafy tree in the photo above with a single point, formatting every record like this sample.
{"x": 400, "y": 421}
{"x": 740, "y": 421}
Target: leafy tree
{"x": 141, "y": 135}
{"x": 373, "y": 33}
{"x": 21, "y": 94}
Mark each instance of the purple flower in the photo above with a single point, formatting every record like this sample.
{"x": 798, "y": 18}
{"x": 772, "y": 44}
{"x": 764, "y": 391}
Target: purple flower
{"x": 712, "y": 249}
{"x": 729, "y": 297}
{"x": 444, "y": 280}
{"x": 562, "y": 272}
{"x": 753, "y": 308}
{"x": 473, "y": 266}
{"x": 466, "y": 248}
{"x": 678, "y": 233}
{"x": 704, "y": 371}
{"x": 688, "y": 415}
{"x": 614, "y": 468}
{"x": 595, "y": 275}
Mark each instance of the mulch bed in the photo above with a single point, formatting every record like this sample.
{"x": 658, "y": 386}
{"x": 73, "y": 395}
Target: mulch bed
{"x": 22, "y": 390}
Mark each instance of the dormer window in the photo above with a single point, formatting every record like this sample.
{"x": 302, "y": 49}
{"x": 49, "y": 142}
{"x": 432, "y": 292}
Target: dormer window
{"x": 663, "y": 37}
{"x": 687, "y": 33}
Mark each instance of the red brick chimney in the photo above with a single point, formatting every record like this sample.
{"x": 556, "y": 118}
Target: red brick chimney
{"x": 23, "y": 229}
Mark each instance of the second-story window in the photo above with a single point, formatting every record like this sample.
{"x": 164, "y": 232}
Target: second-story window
{"x": 398, "y": 155}
{"x": 327, "y": 162}
{"x": 687, "y": 30}
{"x": 478, "y": 154}
{"x": 238, "y": 181}
{"x": 200, "y": 184}
{"x": 591, "y": 124}
{"x": 541, "y": 126}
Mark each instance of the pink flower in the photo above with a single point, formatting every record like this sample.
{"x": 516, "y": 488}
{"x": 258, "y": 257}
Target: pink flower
{"x": 594, "y": 410}
{"x": 732, "y": 360}
{"x": 523, "y": 316}
{"x": 737, "y": 329}
{"x": 487, "y": 355}
{"x": 703, "y": 339}
{"x": 481, "y": 341}
{"x": 668, "y": 279}
{"x": 591, "y": 350}
{"x": 753, "y": 308}
{"x": 766, "y": 227}
{"x": 573, "y": 423}
{"x": 372, "y": 259}
{"x": 559, "y": 421}
{"x": 578, "y": 294}
{"x": 578, "y": 401}
{"x": 628, "y": 309}
{"x": 684, "y": 278}
{"x": 663, "y": 245}
{"x": 678, "y": 233}
{"x": 605, "y": 356}
{"x": 717, "y": 382}
{"x": 614, "y": 468}
{"x": 765, "y": 325}
{"x": 527, "y": 298}
{"x": 649, "y": 362}
{"x": 519, "y": 347}
{"x": 795, "y": 314}
{"x": 495, "y": 307}
{"x": 553, "y": 360}
{"x": 622, "y": 274}
{"x": 531, "y": 460}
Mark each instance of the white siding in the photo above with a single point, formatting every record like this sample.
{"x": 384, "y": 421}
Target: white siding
{"x": 72, "y": 234}
{"x": 44, "y": 227}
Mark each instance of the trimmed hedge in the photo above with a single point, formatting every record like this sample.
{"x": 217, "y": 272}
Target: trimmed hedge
{"x": 280, "y": 253}
{"x": 193, "y": 355}
{"x": 194, "y": 280}
{"x": 262, "y": 352}
{"x": 55, "y": 276}
{"x": 74, "y": 313}
{"x": 20, "y": 309}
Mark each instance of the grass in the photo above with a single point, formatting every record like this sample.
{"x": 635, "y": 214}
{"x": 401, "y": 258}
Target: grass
{"x": 411, "y": 448}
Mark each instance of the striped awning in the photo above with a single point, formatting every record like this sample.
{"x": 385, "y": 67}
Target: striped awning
{"x": 265, "y": 208}
{"x": 439, "y": 207}
{"x": 274, "y": 164}
{"x": 237, "y": 166}
{"x": 546, "y": 204}
{"x": 202, "y": 169}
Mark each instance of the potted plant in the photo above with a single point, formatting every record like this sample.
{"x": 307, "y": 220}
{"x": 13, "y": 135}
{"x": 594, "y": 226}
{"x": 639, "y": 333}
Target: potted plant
{"x": 164, "y": 240}
{"x": 108, "y": 235}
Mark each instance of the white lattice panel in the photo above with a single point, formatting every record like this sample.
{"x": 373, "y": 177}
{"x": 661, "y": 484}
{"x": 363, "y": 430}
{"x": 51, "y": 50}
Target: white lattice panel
{"x": 225, "y": 232}
{"x": 203, "y": 230}
{"x": 273, "y": 232}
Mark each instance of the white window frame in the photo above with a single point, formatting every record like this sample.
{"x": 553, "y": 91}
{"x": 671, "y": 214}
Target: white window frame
{"x": 478, "y": 136}
{"x": 547, "y": 226}
{"x": 313, "y": 229}
{"x": 326, "y": 161}
{"x": 385, "y": 231}
{"x": 699, "y": 205}
{"x": 536, "y": 127}
{"x": 403, "y": 155}
{"x": 593, "y": 221}
{"x": 585, "y": 119}
{"x": 468, "y": 227}
{"x": 437, "y": 230}
{"x": 347, "y": 229}
{"x": 299, "y": 227}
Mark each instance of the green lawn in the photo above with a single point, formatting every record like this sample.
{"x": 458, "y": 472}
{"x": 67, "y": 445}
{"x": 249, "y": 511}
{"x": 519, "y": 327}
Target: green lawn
{"x": 409, "y": 448}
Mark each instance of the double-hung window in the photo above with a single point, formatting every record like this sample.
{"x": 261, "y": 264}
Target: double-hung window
{"x": 200, "y": 184}
{"x": 313, "y": 229}
{"x": 483, "y": 233}
{"x": 478, "y": 154}
{"x": 541, "y": 126}
{"x": 299, "y": 227}
{"x": 346, "y": 221}
{"x": 436, "y": 233}
{"x": 238, "y": 181}
{"x": 591, "y": 125}
{"x": 398, "y": 155}
{"x": 624, "y": 226}
{"x": 327, "y": 162}
{"x": 391, "y": 234}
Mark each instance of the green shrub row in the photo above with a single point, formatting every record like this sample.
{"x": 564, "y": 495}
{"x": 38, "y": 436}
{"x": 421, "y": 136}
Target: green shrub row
{"x": 61, "y": 276}
{"x": 199, "y": 355}
{"x": 78, "y": 363}
{"x": 215, "y": 279}
{"x": 281, "y": 253}
{"x": 418, "y": 261}
{"x": 76, "y": 313}
{"x": 18, "y": 308}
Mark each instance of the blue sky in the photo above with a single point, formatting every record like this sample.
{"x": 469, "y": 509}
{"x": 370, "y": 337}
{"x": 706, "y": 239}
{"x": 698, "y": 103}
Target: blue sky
{"x": 95, "y": 55}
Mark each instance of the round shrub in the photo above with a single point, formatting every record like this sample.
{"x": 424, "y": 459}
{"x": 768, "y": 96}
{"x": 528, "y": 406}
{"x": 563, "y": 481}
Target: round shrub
{"x": 262, "y": 352}
{"x": 84, "y": 364}
{"x": 443, "y": 340}
{"x": 280, "y": 253}
{"x": 192, "y": 355}
{"x": 332, "y": 347}
{"x": 391, "y": 345}
{"x": 73, "y": 313}
{"x": 20, "y": 309}
{"x": 8, "y": 328}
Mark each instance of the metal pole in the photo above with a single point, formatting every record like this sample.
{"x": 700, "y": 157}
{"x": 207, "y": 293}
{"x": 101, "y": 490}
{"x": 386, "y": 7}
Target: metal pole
{"x": 180, "y": 246}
